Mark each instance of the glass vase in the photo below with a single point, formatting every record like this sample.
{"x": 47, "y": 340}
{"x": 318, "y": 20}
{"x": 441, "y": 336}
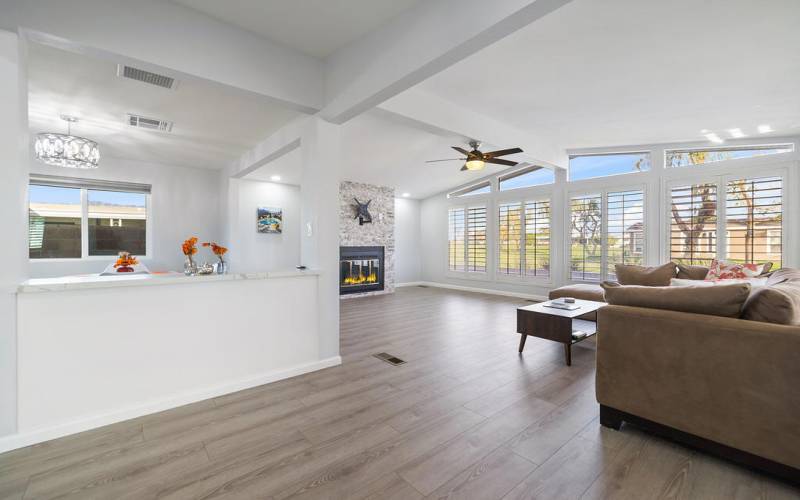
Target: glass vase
{"x": 189, "y": 266}
{"x": 221, "y": 267}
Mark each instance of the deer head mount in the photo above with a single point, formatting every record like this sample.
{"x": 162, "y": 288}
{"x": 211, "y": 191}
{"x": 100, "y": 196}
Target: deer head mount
{"x": 362, "y": 212}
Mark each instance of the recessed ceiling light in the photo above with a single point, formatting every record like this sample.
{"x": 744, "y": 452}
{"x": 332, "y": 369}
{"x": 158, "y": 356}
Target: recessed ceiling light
{"x": 406, "y": 195}
{"x": 764, "y": 129}
{"x": 276, "y": 178}
{"x": 714, "y": 138}
{"x": 736, "y": 133}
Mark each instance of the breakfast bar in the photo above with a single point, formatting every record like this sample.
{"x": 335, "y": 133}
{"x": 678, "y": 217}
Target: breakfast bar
{"x": 124, "y": 346}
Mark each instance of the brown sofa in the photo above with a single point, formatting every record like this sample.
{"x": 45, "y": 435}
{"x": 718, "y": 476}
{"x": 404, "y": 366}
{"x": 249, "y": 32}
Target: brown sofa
{"x": 729, "y": 386}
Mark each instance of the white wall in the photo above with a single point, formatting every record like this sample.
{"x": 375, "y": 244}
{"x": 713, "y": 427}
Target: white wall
{"x": 407, "y": 250}
{"x": 13, "y": 222}
{"x": 184, "y": 202}
{"x": 252, "y": 251}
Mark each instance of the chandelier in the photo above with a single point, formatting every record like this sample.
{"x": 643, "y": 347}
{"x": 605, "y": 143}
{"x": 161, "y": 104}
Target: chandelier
{"x": 66, "y": 150}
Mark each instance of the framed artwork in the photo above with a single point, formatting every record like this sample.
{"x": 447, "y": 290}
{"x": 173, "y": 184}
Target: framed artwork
{"x": 269, "y": 220}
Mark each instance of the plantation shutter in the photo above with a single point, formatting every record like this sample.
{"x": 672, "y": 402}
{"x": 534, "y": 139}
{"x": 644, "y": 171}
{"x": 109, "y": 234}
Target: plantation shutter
{"x": 586, "y": 238}
{"x": 476, "y": 239}
{"x": 693, "y": 224}
{"x": 509, "y": 229}
{"x": 537, "y": 238}
{"x": 456, "y": 247}
{"x": 625, "y": 229}
{"x": 754, "y": 220}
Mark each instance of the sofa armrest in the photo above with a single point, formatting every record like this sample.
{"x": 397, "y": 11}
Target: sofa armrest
{"x": 732, "y": 381}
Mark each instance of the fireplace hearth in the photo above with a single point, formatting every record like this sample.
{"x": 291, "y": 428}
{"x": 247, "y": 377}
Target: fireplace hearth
{"x": 360, "y": 269}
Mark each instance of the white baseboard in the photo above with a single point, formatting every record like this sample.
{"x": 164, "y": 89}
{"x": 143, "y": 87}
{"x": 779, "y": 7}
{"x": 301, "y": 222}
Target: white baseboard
{"x": 410, "y": 283}
{"x": 23, "y": 439}
{"x": 540, "y": 298}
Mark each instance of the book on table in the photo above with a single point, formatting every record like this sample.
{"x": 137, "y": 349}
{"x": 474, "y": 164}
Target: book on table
{"x": 560, "y": 304}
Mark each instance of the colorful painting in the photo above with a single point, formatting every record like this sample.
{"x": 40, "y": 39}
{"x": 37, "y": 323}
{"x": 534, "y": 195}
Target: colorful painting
{"x": 270, "y": 220}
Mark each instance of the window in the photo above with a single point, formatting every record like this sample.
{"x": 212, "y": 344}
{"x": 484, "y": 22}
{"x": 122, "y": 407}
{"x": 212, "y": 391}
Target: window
{"x": 754, "y": 220}
{"x": 586, "y": 252}
{"x": 54, "y": 222}
{"x": 602, "y": 237}
{"x": 523, "y": 231}
{"x": 625, "y": 237}
{"x": 467, "y": 239}
{"x": 537, "y": 238}
{"x": 509, "y": 238}
{"x": 602, "y": 165}
{"x": 476, "y": 239}
{"x": 481, "y": 188}
{"x": 456, "y": 246}
{"x": 690, "y": 157}
{"x": 526, "y": 177}
{"x": 74, "y": 218}
{"x": 693, "y": 224}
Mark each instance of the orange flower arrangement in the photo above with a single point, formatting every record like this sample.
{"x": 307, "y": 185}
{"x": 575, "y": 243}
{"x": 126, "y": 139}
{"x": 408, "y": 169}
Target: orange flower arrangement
{"x": 218, "y": 250}
{"x": 189, "y": 246}
{"x": 124, "y": 262}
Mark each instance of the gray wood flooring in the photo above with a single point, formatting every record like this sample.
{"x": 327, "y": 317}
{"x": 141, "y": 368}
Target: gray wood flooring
{"x": 465, "y": 417}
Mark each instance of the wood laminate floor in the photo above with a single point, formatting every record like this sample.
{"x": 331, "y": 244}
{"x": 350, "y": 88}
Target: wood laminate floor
{"x": 465, "y": 417}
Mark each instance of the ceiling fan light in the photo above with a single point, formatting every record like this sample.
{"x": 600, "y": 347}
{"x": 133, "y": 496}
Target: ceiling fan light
{"x": 475, "y": 164}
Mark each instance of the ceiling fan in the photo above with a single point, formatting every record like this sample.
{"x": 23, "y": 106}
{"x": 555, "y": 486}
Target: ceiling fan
{"x": 477, "y": 160}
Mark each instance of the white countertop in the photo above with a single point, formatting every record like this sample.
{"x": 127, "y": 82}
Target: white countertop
{"x": 85, "y": 281}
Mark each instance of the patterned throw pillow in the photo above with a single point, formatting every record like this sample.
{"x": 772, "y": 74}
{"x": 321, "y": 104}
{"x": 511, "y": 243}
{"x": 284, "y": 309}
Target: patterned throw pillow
{"x": 721, "y": 270}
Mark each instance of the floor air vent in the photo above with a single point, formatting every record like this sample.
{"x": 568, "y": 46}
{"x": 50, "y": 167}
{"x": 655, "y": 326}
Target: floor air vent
{"x": 149, "y": 77}
{"x": 392, "y": 360}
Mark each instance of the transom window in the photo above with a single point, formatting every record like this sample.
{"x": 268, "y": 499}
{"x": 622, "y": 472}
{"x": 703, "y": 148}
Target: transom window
{"x": 690, "y": 157}
{"x": 602, "y": 165}
{"x": 74, "y": 218}
{"x": 526, "y": 177}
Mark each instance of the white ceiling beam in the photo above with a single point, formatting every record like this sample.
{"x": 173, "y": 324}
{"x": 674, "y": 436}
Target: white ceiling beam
{"x": 417, "y": 44}
{"x": 175, "y": 37}
{"x": 433, "y": 113}
{"x": 279, "y": 144}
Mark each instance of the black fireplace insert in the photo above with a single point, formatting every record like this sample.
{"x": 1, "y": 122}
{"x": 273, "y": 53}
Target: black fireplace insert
{"x": 360, "y": 269}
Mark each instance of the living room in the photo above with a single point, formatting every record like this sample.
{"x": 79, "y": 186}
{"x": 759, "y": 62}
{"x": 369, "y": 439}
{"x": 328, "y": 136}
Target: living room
{"x": 399, "y": 249}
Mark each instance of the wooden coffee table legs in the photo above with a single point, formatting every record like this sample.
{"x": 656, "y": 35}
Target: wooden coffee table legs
{"x": 522, "y": 341}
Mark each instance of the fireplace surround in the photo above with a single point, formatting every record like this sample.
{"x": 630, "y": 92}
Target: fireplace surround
{"x": 361, "y": 269}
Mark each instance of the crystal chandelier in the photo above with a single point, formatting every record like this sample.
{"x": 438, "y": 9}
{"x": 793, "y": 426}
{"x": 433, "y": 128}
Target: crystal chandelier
{"x": 66, "y": 150}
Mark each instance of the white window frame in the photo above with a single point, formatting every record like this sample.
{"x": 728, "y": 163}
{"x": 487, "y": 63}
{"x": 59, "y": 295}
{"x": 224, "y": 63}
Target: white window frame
{"x": 603, "y": 192}
{"x": 720, "y": 175}
{"x": 85, "y": 257}
{"x": 466, "y": 273}
{"x": 514, "y": 198}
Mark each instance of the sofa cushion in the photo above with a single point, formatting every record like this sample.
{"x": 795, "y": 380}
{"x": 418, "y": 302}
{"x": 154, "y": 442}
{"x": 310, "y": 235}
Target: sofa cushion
{"x": 721, "y": 300}
{"x": 779, "y": 303}
{"x": 645, "y": 276}
{"x": 579, "y": 291}
{"x": 692, "y": 272}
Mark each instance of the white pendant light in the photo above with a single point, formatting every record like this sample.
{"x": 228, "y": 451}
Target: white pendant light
{"x": 66, "y": 150}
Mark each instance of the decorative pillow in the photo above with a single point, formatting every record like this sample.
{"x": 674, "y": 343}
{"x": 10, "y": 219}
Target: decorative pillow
{"x": 722, "y": 300}
{"x": 754, "y": 282}
{"x": 778, "y": 303}
{"x": 645, "y": 276}
{"x": 721, "y": 270}
{"x": 692, "y": 272}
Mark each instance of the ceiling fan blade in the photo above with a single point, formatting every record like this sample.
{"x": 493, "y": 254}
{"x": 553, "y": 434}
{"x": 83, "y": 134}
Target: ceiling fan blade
{"x": 463, "y": 168}
{"x": 501, "y": 152}
{"x": 446, "y": 159}
{"x": 461, "y": 150}
{"x": 500, "y": 162}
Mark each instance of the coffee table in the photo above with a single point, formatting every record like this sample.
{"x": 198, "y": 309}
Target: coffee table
{"x": 559, "y": 325}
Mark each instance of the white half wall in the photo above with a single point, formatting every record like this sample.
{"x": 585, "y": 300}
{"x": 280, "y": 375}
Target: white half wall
{"x": 184, "y": 202}
{"x": 252, "y": 251}
{"x": 407, "y": 241}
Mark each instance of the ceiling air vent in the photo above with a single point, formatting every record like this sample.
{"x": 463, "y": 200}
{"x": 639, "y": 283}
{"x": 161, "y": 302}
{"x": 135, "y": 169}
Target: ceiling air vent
{"x": 146, "y": 76}
{"x": 149, "y": 123}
